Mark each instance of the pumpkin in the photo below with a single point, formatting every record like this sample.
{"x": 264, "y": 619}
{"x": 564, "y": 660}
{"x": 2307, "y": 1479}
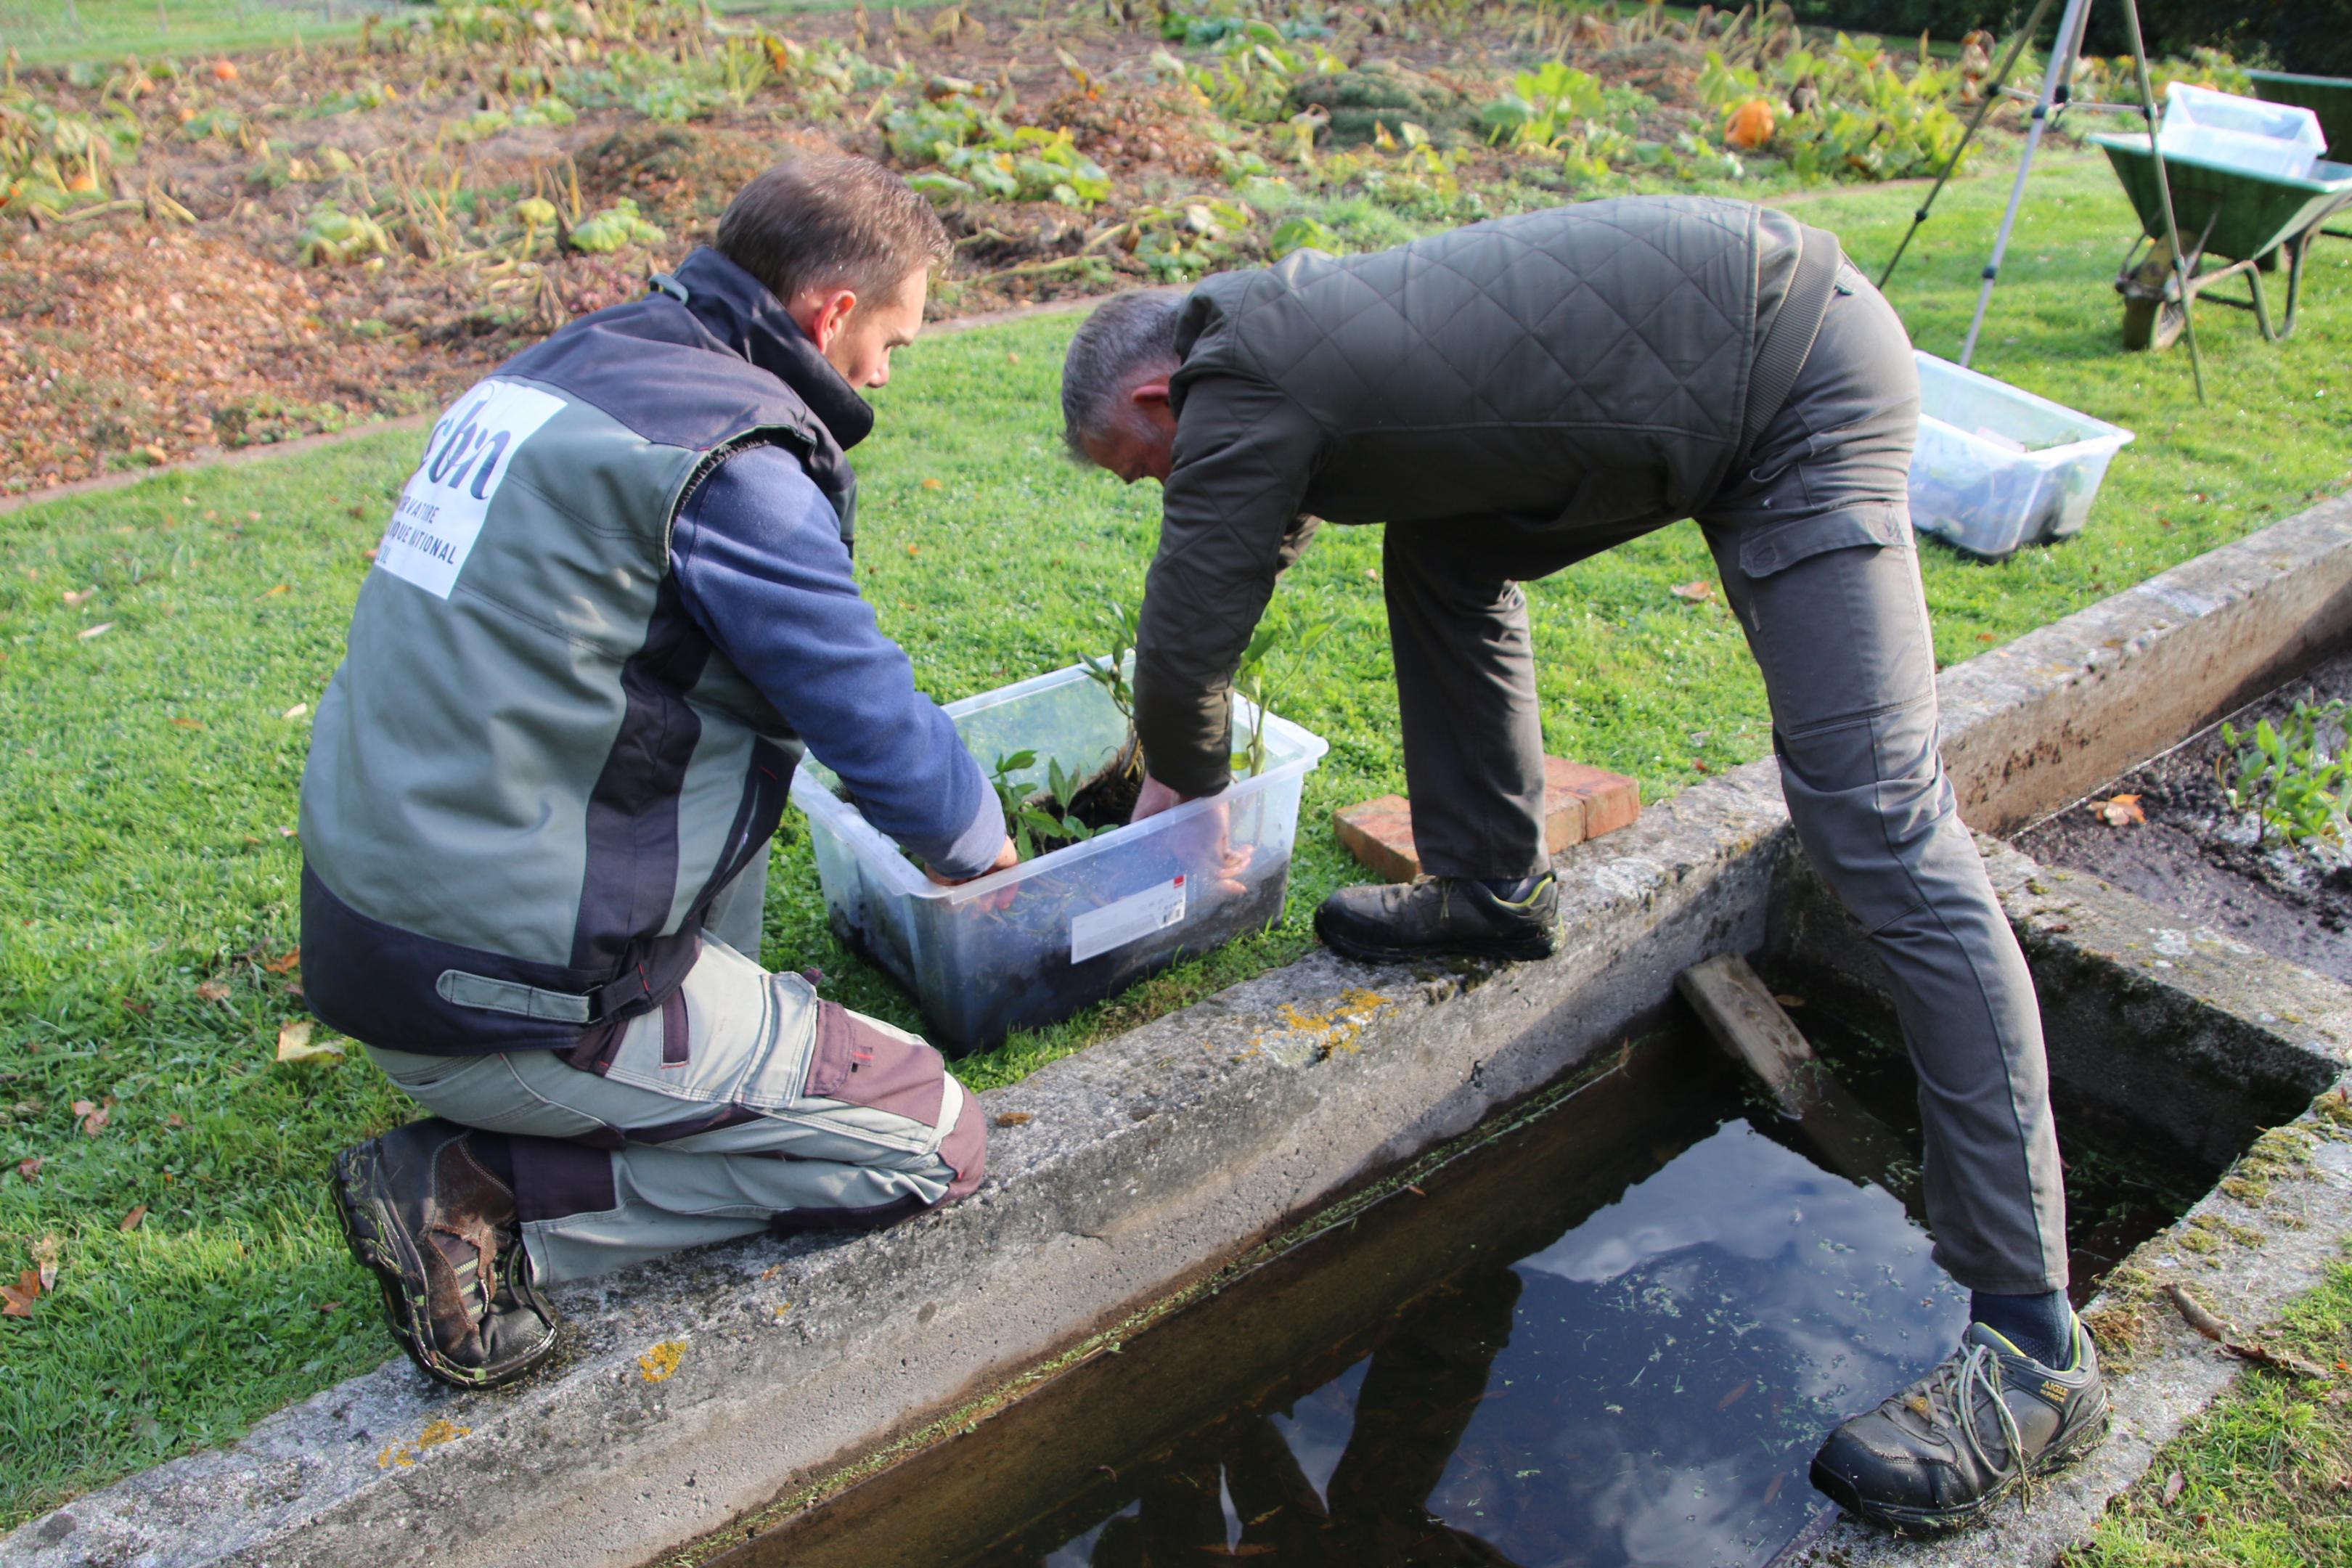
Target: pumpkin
{"x": 1750, "y": 125}
{"x": 223, "y": 70}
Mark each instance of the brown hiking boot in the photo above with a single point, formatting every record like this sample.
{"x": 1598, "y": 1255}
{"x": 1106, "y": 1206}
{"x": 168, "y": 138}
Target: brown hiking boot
{"x": 441, "y": 1235}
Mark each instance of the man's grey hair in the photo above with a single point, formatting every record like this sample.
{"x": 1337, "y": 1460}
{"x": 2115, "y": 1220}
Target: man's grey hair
{"x": 1126, "y": 332}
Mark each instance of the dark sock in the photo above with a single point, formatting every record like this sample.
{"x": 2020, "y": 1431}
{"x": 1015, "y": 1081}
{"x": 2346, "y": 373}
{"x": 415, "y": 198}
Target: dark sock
{"x": 1513, "y": 890}
{"x": 2041, "y": 1326}
{"x": 496, "y": 1154}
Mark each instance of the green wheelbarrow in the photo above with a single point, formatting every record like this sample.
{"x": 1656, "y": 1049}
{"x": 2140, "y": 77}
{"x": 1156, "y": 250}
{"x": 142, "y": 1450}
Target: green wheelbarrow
{"x": 2328, "y": 96}
{"x": 2246, "y": 221}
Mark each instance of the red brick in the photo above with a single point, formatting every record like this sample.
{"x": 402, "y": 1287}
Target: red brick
{"x": 1379, "y": 834}
{"x": 1579, "y": 803}
{"x": 1563, "y": 809}
{"x": 1610, "y": 801}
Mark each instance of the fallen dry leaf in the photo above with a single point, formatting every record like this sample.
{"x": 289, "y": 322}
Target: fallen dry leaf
{"x": 294, "y": 1043}
{"x": 212, "y": 991}
{"x": 99, "y": 630}
{"x": 187, "y": 723}
{"x": 933, "y": 485}
{"x": 93, "y": 1117}
{"x": 2173, "y": 1483}
{"x": 45, "y": 1257}
{"x": 74, "y": 599}
{"x": 16, "y": 1300}
{"x": 280, "y": 965}
{"x": 369, "y": 552}
{"x": 1786, "y": 1000}
{"x": 2119, "y": 812}
{"x": 296, "y": 711}
{"x": 1699, "y": 592}
{"x": 273, "y": 593}
{"x": 30, "y": 1169}
{"x": 1013, "y": 1119}
{"x": 130, "y": 1221}
{"x": 174, "y": 1120}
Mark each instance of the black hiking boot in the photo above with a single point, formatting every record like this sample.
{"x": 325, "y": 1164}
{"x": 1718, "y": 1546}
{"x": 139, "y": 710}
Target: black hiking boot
{"x": 1439, "y": 914}
{"x": 440, "y": 1233}
{"x": 1939, "y": 1454}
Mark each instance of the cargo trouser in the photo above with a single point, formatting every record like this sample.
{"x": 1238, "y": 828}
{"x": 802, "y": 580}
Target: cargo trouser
{"x": 743, "y": 1104}
{"x": 1814, "y": 545}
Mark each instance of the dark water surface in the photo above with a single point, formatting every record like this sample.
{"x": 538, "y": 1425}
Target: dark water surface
{"x": 1613, "y": 1336}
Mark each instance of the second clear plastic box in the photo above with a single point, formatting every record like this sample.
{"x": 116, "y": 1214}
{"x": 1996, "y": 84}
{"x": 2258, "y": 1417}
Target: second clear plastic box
{"x": 2236, "y": 132}
{"x": 1034, "y": 944}
{"x": 1997, "y": 467}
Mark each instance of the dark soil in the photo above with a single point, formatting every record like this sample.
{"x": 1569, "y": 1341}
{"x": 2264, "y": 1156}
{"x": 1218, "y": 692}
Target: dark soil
{"x": 2194, "y": 855}
{"x": 1106, "y": 800}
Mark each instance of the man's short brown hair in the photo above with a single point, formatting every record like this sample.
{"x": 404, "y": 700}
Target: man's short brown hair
{"x": 829, "y": 220}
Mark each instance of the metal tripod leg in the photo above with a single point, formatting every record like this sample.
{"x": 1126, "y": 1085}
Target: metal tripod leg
{"x": 2164, "y": 191}
{"x": 1992, "y": 96}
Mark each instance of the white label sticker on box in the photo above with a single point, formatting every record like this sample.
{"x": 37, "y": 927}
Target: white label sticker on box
{"x": 1131, "y": 919}
{"x": 441, "y": 510}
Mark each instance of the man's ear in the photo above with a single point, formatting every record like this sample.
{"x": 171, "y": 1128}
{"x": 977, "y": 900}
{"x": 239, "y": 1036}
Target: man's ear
{"x": 823, "y": 312}
{"x": 1146, "y": 394}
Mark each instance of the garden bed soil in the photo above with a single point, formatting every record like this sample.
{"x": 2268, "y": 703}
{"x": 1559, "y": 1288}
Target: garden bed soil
{"x": 226, "y": 162}
{"x": 2195, "y": 855}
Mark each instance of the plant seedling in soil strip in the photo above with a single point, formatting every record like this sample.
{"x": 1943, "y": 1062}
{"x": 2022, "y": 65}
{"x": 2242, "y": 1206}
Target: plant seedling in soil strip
{"x": 2281, "y": 774}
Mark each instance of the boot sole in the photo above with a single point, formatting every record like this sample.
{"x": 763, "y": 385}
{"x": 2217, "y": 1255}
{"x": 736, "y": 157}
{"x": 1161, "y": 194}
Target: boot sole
{"x": 358, "y": 1182}
{"x": 1519, "y": 950}
{"x": 1959, "y": 1516}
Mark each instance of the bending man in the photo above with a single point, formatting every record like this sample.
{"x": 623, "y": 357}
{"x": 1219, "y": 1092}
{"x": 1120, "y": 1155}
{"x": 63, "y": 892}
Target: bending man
{"x": 1508, "y": 399}
{"x": 612, "y": 605}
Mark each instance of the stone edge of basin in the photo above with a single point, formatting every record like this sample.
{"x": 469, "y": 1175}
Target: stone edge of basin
{"x": 692, "y": 1392}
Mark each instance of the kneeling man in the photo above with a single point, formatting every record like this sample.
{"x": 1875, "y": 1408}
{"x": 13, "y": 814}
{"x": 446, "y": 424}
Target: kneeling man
{"x": 612, "y": 605}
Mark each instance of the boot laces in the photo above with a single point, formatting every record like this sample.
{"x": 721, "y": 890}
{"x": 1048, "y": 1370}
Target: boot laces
{"x": 1960, "y": 1381}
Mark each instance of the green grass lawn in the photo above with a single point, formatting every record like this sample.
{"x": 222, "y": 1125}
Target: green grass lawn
{"x": 54, "y": 32}
{"x": 2265, "y": 1475}
{"x": 148, "y": 772}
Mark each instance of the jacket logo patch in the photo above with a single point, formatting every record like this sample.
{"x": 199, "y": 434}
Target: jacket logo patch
{"x": 440, "y": 511}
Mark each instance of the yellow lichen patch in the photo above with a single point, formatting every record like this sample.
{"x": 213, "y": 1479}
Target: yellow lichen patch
{"x": 661, "y": 1362}
{"x": 436, "y": 1433}
{"x": 782, "y": 1310}
{"x": 1335, "y": 1030}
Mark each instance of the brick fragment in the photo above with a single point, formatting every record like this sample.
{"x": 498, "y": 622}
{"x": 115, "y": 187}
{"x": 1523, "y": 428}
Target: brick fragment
{"x": 1610, "y": 801}
{"x": 1379, "y": 834}
{"x": 1579, "y": 803}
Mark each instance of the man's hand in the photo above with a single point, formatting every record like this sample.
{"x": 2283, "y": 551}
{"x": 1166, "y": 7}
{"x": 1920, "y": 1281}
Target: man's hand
{"x": 1212, "y": 835}
{"x": 1006, "y": 858}
{"x": 1153, "y": 798}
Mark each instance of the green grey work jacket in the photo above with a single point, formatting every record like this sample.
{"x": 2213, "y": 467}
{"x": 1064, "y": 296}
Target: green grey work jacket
{"x": 533, "y": 773}
{"x": 1588, "y": 368}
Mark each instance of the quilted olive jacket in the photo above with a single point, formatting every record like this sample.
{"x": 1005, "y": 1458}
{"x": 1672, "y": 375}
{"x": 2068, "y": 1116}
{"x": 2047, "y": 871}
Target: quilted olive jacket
{"x": 1585, "y": 368}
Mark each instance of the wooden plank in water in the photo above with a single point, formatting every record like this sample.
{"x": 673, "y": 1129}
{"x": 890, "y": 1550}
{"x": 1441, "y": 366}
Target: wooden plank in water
{"x": 1740, "y": 1011}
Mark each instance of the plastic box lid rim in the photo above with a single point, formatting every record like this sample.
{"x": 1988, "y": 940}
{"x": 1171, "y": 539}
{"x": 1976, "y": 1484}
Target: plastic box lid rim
{"x": 1303, "y": 747}
{"x": 2097, "y": 433}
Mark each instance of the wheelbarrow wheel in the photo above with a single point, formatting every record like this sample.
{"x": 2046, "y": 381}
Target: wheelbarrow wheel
{"x": 2152, "y": 324}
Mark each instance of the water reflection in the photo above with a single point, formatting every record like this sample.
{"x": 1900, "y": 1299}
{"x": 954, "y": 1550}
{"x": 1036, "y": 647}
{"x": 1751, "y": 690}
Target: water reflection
{"x": 1645, "y": 1389}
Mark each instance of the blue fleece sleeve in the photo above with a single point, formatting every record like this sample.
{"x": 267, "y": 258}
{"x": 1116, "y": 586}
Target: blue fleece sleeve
{"x": 760, "y": 562}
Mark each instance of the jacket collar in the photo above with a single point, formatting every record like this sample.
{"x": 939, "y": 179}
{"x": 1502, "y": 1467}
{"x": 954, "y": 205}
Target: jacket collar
{"x": 735, "y": 308}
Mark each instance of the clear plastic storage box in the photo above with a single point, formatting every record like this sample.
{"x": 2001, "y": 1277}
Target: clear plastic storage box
{"x": 1997, "y": 467}
{"x": 2236, "y": 132}
{"x": 1034, "y": 944}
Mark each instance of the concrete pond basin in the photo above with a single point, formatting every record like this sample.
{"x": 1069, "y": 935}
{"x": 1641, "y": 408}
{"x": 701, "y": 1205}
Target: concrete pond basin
{"x": 701, "y": 1404}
